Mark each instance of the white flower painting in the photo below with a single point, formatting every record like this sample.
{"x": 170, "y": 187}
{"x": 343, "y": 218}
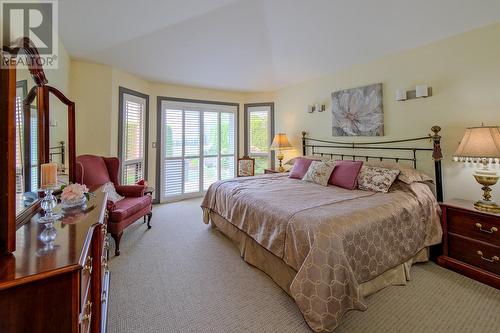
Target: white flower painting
{"x": 358, "y": 111}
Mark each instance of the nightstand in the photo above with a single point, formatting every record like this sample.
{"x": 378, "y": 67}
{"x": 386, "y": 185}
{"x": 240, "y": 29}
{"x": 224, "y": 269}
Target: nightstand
{"x": 271, "y": 171}
{"x": 471, "y": 242}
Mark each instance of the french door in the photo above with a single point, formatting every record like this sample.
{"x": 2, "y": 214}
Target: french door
{"x": 198, "y": 147}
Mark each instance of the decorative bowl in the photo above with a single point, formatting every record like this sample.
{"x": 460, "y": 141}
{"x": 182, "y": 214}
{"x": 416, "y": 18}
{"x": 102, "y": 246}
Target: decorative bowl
{"x": 75, "y": 203}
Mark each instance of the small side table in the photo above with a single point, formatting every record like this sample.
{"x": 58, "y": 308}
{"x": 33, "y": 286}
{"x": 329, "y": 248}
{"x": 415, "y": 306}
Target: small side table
{"x": 267, "y": 171}
{"x": 471, "y": 242}
{"x": 149, "y": 191}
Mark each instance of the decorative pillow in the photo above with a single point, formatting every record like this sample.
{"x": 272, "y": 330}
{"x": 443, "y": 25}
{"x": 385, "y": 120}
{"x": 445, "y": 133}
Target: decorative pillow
{"x": 293, "y": 160}
{"x": 319, "y": 172}
{"x": 109, "y": 188}
{"x": 345, "y": 174}
{"x": 376, "y": 179}
{"x": 300, "y": 167}
{"x": 408, "y": 174}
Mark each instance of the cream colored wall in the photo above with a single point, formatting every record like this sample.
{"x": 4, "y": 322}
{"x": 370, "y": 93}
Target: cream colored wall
{"x": 95, "y": 88}
{"x": 91, "y": 90}
{"x": 464, "y": 72}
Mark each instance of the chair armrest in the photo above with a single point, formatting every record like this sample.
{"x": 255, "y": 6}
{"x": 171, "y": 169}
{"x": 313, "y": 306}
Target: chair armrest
{"x": 130, "y": 190}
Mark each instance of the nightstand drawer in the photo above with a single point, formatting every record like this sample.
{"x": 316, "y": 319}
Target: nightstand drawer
{"x": 475, "y": 253}
{"x": 476, "y": 226}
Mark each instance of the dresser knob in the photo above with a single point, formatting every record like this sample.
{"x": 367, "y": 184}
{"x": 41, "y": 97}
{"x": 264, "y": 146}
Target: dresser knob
{"x": 493, "y": 259}
{"x": 88, "y": 265}
{"x": 492, "y": 229}
{"x": 88, "y": 310}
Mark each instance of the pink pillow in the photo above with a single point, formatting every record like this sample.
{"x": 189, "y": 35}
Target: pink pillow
{"x": 300, "y": 167}
{"x": 345, "y": 174}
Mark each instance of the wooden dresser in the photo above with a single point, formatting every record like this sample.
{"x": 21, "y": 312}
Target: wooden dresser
{"x": 471, "y": 242}
{"x": 62, "y": 286}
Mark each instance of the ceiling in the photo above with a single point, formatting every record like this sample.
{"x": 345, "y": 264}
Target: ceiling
{"x": 256, "y": 45}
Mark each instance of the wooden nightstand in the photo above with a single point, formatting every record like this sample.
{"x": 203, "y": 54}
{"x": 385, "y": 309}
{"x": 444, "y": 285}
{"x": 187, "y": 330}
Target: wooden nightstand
{"x": 271, "y": 171}
{"x": 471, "y": 242}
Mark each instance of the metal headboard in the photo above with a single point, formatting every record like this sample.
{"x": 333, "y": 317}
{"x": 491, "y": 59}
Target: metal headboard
{"x": 318, "y": 147}
{"x": 58, "y": 150}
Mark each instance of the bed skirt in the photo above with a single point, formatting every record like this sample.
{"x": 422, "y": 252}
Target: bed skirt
{"x": 257, "y": 256}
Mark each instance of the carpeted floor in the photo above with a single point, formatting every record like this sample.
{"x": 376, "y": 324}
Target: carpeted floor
{"x": 183, "y": 276}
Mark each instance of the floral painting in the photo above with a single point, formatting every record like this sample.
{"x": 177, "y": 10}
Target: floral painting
{"x": 358, "y": 111}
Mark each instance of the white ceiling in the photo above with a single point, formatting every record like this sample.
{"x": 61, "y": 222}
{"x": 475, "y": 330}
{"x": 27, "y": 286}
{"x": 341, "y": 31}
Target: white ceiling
{"x": 256, "y": 45}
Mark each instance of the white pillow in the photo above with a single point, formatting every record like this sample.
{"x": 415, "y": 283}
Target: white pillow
{"x": 109, "y": 188}
{"x": 319, "y": 172}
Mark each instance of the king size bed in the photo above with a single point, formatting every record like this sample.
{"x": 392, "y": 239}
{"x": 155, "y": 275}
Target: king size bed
{"x": 326, "y": 246}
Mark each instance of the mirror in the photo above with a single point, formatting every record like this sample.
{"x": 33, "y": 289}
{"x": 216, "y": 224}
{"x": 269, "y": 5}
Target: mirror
{"x": 58, "y": 138}
{"x": 26, "y": 142}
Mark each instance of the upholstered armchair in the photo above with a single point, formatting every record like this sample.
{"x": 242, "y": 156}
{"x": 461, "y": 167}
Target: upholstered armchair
{"x": 95, "y": 171}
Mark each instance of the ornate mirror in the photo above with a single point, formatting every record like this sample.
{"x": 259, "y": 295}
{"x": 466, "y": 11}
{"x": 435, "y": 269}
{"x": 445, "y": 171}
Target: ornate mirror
{"x": 37, "y": 126}
{"x": 26, "y": 141}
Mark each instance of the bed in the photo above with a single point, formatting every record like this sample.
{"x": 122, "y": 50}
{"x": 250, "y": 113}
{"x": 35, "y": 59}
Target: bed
{"x": 329, "y": 247}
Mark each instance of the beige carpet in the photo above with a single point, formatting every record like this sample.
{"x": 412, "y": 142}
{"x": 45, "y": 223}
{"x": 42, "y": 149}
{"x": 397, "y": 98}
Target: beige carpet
{"x": 182, "y": 276}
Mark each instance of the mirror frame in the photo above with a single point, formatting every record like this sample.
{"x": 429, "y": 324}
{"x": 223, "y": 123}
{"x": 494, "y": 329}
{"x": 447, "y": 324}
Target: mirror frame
{"x": 11, "y": 221}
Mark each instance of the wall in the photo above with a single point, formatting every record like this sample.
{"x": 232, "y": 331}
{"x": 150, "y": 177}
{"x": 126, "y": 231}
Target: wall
{"x": 464, "y": 72}
{"x": 94, "y": 88}
{"x": 91, "y": 90}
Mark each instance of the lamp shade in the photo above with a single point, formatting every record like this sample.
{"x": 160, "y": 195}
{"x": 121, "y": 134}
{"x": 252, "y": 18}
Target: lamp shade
{"x": 480, "y": 142}
{"x": 280, "y": 141}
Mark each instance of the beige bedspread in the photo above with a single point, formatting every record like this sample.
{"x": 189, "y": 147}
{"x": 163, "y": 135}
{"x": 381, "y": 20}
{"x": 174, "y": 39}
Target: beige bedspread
{"x": 334, "y": 238}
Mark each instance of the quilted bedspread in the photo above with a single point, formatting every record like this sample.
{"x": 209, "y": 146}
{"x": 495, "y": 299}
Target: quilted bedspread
{"x": 334, "y": 238}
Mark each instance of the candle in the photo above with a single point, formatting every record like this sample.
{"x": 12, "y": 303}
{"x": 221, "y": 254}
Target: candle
{"x": 48, "y": 175}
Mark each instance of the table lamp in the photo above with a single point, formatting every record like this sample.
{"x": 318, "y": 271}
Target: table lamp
{"x": 482, "y": 144}
{"x": 280, "y": 143}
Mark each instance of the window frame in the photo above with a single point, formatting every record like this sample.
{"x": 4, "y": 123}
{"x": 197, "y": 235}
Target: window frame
{"x": 271, "y": 154}
{"x": 159, "y": 133}
{"x": 121, "y": 95}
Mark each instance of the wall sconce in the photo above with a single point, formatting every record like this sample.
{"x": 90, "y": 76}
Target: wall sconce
{"x": 421, "y": 91}
{"x": 315, "y": 107}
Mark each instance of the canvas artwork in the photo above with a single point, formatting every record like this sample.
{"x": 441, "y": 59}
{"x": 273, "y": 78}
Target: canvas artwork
{"x": 358, "y": 111}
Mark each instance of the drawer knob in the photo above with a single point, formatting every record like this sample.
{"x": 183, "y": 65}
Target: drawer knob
{"x": 493, "y": 259}
{"x": 492, "y": 229}
{"x": 88, "y": 310}
{"x": 88, "y": 265}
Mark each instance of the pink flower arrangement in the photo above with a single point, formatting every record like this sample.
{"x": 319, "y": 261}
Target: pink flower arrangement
{"x": 74, "y": 192}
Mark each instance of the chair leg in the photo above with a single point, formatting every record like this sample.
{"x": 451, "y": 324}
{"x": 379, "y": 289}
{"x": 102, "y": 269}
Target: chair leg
{"x": 149, "y": 215}
{"x": 117, "y": 238}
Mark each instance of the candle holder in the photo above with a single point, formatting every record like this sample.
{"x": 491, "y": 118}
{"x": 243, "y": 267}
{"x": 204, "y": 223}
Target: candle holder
{"x": 49, "y": 234}
{"x": 47, "y": 204}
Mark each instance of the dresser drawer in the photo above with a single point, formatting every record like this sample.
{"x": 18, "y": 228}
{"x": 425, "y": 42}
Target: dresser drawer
{"x": 479, "y": 254}
{"x": 86, "y": 275}
{"x": 473, "y": 225}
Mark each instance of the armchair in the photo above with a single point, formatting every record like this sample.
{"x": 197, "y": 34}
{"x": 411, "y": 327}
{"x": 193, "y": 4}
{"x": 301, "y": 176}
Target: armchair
{"x": 95, "y": 171}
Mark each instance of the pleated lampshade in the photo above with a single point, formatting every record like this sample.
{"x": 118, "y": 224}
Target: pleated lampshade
{"x": 280, "y": 141}
{"x": 479, "y": 142}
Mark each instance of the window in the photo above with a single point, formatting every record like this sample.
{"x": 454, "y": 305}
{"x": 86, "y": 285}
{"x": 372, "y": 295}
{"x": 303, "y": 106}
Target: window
{"x": 198, "y": 146}
{"x": 26, "y": 143}
{"x": 133, "y": 134}
{"x": 259, "y": 133}
{"x": 20, "y": 94}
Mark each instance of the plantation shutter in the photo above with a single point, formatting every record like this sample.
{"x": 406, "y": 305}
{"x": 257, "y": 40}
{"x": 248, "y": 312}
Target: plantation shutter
{"x": 198, "y": 147}
{"x": 133, "y": 138}
{"x": 19, "y": 140}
